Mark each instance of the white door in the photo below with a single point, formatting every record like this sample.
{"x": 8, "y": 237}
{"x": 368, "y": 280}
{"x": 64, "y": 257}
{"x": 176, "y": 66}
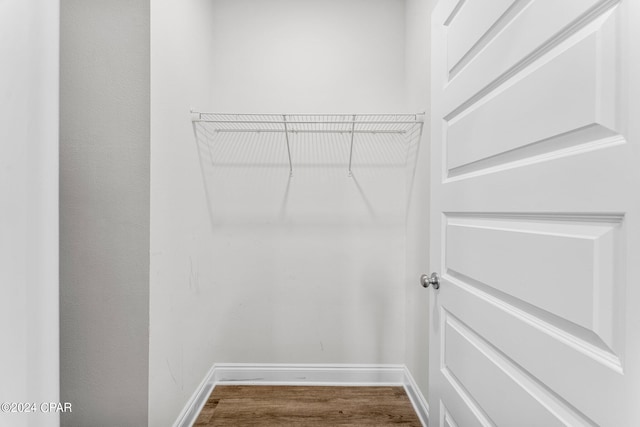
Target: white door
{"x": 535, "y": 218}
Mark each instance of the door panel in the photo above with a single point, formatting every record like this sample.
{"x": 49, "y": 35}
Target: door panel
{"x": 447, "y": 418}
{"x": 520, "y": 42}
{"x": 489, "y": 376}
{"x": 461, "y": 409}
{"x": 559, "y": 97}
{"x": 551, "y": 352}
{"x": 535, "y": 213}
{"x": 465, "y": 32}
{"x": 578, "y": 260}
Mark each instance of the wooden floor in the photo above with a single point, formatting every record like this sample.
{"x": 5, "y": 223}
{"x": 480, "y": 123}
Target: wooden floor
{"x": 307, "y": 406}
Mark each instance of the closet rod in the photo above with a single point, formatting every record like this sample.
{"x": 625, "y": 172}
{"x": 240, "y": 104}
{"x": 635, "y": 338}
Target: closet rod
{"x": 320, "y": 122}
{"x": 311, "y": 114}
{"x": 397, "y": 132}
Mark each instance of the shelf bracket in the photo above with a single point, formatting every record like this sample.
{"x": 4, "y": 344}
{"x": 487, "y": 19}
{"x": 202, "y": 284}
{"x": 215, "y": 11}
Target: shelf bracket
{"x": 286, "y": 135}
{"x": 353, "y": 128}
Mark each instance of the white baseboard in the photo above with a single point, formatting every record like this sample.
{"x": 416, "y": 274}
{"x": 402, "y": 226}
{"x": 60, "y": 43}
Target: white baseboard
{"x": 199, "y": 397}
{"x": 417, "y": 398}
{"x": 308, "y": 374}
{"x": 302, "y": 374}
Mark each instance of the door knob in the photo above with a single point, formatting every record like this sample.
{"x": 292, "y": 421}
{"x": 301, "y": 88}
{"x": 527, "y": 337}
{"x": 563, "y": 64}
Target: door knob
{"x": 433, "y": 280}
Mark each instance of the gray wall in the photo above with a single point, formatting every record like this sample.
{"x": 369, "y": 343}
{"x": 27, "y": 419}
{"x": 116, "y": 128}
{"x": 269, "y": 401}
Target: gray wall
{"x": 104, "y": 211}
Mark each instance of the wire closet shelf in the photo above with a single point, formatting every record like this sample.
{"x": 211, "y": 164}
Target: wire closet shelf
{"x": 405, "y": 125}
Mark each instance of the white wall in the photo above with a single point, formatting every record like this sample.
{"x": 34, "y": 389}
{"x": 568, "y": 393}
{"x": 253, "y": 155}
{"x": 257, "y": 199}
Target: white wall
{"x": 248, "y": 265}
{"x": 182, "y": 270}
{"x": 104, "y": 205}
{"x": 308, "y": 56}
{"x": 29, "y": 353}
{"x": 418, "y": 18}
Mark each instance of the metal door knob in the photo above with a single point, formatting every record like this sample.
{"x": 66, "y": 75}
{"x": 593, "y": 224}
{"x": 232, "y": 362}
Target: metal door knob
{"x": 433, "y": 280}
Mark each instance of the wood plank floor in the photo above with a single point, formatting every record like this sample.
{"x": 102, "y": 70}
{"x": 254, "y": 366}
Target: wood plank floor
{"x": 307, "y": 406}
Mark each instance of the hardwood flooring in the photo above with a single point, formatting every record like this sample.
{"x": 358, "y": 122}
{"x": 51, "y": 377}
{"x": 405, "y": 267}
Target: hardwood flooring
{"x": 307, "y": 406}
